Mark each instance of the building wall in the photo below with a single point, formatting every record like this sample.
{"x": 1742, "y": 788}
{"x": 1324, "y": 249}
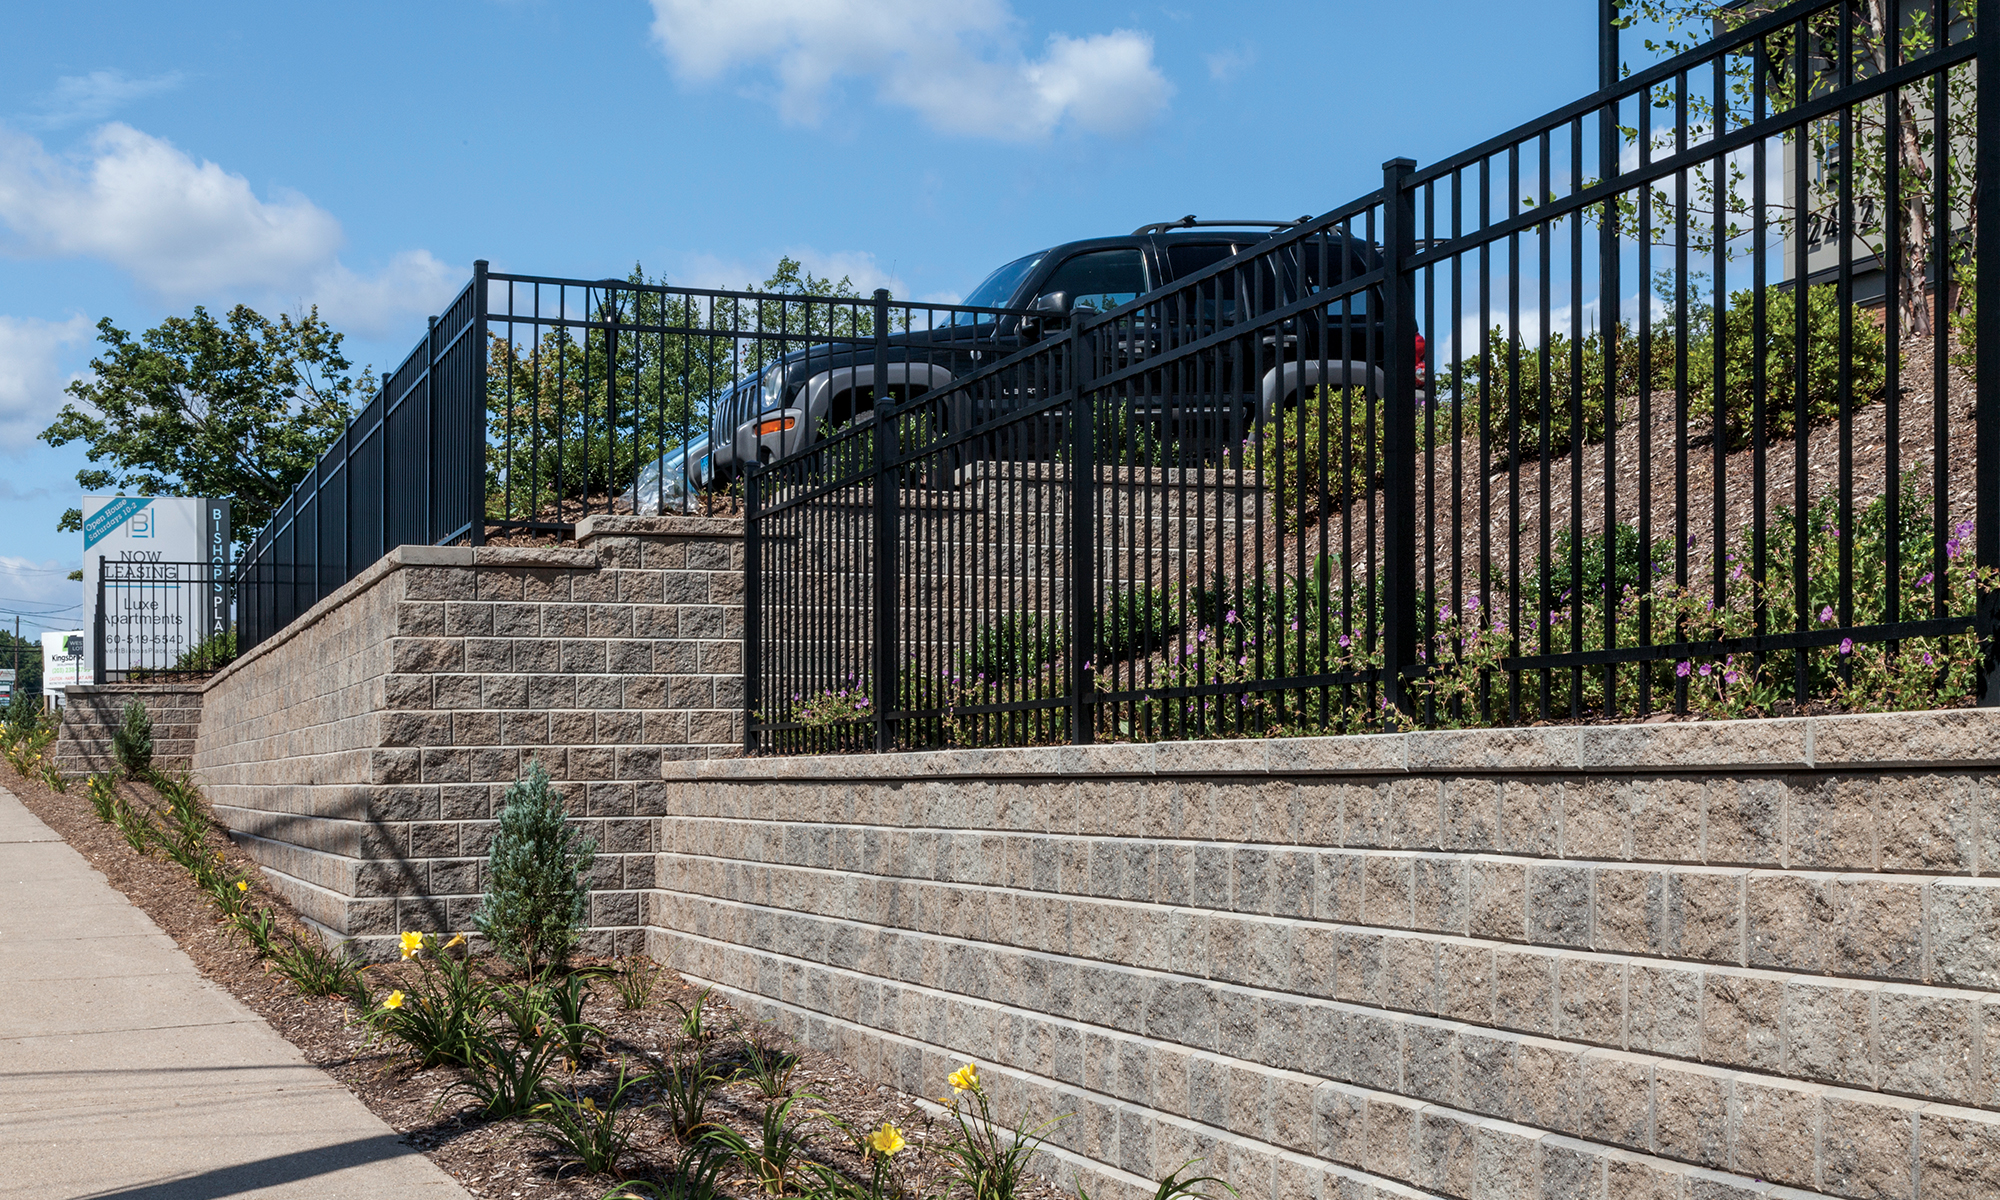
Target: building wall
{"x": 362, "y": 754}
{"x": 1680, "y": 960}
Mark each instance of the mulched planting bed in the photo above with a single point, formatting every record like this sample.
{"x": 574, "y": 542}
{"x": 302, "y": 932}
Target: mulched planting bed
{"x": 496, "y": 1158}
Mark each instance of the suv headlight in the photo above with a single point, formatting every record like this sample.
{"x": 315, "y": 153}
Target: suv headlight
{"x": 771, "y": 392}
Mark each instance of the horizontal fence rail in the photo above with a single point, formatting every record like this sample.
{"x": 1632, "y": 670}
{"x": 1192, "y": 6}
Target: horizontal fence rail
{"x": 1673, "y": 400}
{"x": 161, "y": 620}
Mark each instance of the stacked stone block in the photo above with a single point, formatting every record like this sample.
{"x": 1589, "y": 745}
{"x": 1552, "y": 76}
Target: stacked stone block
{"x": 1687, "y": 961}
{"x": 92, "y": 712}
{"x": 362, "y": 755}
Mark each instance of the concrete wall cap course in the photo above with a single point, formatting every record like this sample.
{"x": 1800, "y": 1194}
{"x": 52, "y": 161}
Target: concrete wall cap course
{"x": 604, "y": 525}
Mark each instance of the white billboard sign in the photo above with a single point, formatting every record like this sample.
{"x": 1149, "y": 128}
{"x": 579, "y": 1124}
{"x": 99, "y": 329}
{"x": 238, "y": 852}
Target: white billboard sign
{"x": 172, "y": 556}
{"x": 62, "y": 661}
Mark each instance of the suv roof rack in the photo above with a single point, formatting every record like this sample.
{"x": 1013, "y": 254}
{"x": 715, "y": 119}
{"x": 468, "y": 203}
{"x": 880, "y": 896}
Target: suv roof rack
{"x": 1190, "y": 222}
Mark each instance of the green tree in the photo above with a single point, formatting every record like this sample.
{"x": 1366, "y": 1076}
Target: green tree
{"x": 239, "y": 408}
{"x": 537, "y": 890}
{"x": 1882, "y": 35}
{"x": 29, "y": 679}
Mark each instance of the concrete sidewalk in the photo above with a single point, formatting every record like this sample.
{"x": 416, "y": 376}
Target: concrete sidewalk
{"x": 124, "y": 1073}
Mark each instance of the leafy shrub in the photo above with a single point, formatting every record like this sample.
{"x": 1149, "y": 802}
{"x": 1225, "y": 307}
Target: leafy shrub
{"x": 316, "y": 970}
{"x": 591, "y": 1131}
{"x": 1015, "y": 646}
{"x": 1505, "y": 393}
{"x": 133, "y": 824}
{"x": 132, "y": 741}
{"x": 686, "y": 1084}
{"x": 780, "y": 1141}
{"x": 212, "y": 653}
{"x": 506, "y": 1077}
{"x": 1138, "y": 619}
{"x": 23, "y": 716}
{"x": 694, "y": 1018}
{"x": 989, "y": 1160}
{"x": 442, "y": 1018}
{"x": 834, "y": 706}
{"x": 829, "y": 1184}
{"x": 633, "y": 982}
{"x": 536, "y": 894}
{"x": 563, "y": 1002}
{"x": 103, "y": 795}
{"x": 1320, "y": 455}
{"x": 769, "y": 1066}
{"x": 695, "y": 1176}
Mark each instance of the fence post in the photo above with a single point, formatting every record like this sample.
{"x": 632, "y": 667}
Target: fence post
{"x": 1082, "y": 649}
{"x": 753, "y": 605}
{"x": 476, "y": 454}
{"x": 886, "y": 690}
{"x": 1986, "y": 383}
{"x": 1399, "y": 435}
{"x": 430, "y": 434}
{"x": 97, "y": 629}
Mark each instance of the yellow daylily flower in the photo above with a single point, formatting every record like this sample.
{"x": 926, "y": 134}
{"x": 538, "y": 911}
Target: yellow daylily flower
{"x": 886, "y": 1140}
{"x": 589, "y": 1105}
{"x": 412, "y": 942}
{"x": 966, "y": 1078}
{"x": 457, "y": 939}
{"x": 393, "y": 1000}
{"x": 242, "y": 886}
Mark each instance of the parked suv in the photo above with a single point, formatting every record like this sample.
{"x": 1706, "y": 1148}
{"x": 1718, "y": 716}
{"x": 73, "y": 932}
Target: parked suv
{"x": 816, "y": 391}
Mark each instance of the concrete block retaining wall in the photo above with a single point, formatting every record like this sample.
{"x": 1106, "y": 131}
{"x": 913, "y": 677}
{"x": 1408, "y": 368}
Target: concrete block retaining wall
{"x": 1680, "y": 961}
{"x": 91, "y": 712}
{"x": 362, "y": 753}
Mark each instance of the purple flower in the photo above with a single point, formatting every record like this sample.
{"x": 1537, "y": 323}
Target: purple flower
{"x": 1826, "y": 614}
{"x": 1847, "y": 645}
{"x": 1243, "y": 661}
{"x": 1952, "y": 547}
{"x": 1345, "y": 641}
{"x": 1231, "y": 618}
{"x": 1705, "y": 669}
{"x": 1729, "y": 677}
{"x": 1472, "y": 605}
{"x": 861, "y": 703}
{"x": 1681, "y": 669}
{"x": 1925, "y": 580}
{"x": 1295, "y": 626}
{"x": 1927, "y": 658}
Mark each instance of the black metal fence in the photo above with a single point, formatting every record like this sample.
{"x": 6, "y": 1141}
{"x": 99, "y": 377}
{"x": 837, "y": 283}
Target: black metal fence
{"x": 408, "y": 469}
{"x": 535, "y": 401}
{"x": 1677, "y": 398}
{"x": 161, "y": 620}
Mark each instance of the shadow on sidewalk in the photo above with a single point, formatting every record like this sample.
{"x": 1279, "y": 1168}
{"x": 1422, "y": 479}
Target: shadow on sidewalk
{"x": 265, "y": 1172}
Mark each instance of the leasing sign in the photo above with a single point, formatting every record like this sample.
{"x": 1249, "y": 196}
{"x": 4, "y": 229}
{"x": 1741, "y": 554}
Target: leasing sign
{"x": 172, "y": 556}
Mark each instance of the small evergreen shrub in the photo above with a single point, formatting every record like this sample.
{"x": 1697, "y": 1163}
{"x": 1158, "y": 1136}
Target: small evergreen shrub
{"x": 132, "y": 741}
{"x": 536, "y": 895}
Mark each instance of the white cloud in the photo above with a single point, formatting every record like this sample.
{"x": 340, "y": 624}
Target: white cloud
{"x": 191, "y": 231}
{"x": 93, "y": 97}
{"x": 1225, "y": 65}
{"x": 959, "y": 66}
{"x": 31, "y": 378}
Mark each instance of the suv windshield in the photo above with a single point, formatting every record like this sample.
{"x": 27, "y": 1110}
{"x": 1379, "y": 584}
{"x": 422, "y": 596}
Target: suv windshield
{"x": 998, "y": 287}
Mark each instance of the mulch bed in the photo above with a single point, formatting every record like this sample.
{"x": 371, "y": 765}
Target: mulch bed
{"x": 504, "y": 1158}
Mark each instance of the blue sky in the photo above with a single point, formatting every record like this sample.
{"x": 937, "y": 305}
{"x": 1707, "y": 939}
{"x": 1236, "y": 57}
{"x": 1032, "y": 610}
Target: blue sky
{"x": 154, "y": 157}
